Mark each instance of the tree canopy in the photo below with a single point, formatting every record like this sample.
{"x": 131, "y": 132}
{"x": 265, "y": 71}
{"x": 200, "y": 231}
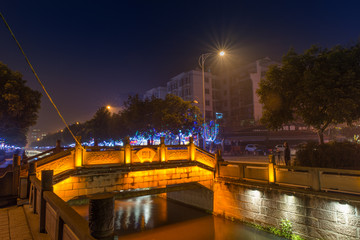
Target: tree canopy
{"x": 19, "y": 106}
{"x": 148, "y": 117}
{"x": 320, "y": 88}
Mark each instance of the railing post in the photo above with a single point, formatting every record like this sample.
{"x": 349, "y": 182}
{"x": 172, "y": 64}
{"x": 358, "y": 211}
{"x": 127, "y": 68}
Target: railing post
{"x": 218, "y": 160}
{"x": 16, "y": 174}
{"x": 78, "y": 152}
{"x": 162, "y": 150}
{"x": 127, "y": 151}
{"x": 315, "y": 179}
{"x": 32, "y": 172}
{"x": 59, "y": 229}
{"x": 271, "y": 169}
{"x": 58, "y": 146}
{"x": 241, "y": 171}
{"x": 191, "y": 149}
{"x": 102, "y": 215}
{"x": 46, "y": 185}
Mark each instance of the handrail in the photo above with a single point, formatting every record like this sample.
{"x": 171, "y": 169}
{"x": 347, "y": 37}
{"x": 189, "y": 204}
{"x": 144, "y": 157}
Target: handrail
{"x": 204, "y": 152}
{"x": 76, "y": 223}
{"x": 36, "y": 182}
{"x": 33, "y": 158}
{"x": 4, "y": 171}
{"x": 53, "y": 157}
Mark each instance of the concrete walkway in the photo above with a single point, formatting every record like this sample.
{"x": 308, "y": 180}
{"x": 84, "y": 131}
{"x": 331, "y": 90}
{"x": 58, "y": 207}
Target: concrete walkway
{"x": 13, "y": 224}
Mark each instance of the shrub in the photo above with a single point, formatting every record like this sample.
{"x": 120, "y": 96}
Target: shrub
{"x": 343, "y": 155}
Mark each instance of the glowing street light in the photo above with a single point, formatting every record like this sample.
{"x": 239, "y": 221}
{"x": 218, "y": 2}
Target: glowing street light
{"x": 108, "y": 107}
{"x": 202, "y": 59}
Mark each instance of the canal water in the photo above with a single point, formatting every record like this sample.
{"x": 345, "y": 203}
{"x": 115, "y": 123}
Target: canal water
{"x": 155, "y": 218}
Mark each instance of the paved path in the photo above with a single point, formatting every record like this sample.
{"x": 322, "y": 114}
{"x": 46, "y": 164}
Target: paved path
{"x": 13, "y": 224}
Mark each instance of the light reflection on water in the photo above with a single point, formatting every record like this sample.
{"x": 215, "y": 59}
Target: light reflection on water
{"x": 151, "y": 217}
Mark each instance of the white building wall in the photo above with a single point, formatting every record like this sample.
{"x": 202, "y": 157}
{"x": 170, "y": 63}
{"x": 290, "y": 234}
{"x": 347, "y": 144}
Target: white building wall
{"x": 189, "y": 86}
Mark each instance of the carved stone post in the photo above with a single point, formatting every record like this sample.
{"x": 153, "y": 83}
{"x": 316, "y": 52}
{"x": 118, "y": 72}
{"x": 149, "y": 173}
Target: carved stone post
{"x": 32, "y": 172}
{"x": 46, "y": 185}
{"x": 58, "y": 146}
{"x": 192, "y": 149}
{"x": 78, "y": 153}
{"x": 16, "y": 174}
{"x": 162, "y": 149}
{"x": 315, "y": 179}
{"x": 127, "y": 151}
{"x": 271, "y": 173}
{"x": 101, "y": 215}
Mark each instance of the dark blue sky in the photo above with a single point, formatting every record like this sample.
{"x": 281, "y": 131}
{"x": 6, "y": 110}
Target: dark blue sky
{"x": 93, "y": 53}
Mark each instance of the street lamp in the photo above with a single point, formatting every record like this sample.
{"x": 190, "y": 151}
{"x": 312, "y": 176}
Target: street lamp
{"x": 202, "y": 59}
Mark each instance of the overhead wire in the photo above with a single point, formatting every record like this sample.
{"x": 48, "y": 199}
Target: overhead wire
{"x": 38, "y": 79}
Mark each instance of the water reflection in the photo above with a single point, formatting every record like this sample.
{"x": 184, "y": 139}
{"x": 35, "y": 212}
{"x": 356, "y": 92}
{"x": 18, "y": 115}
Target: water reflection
{"x": 151, "y": 217}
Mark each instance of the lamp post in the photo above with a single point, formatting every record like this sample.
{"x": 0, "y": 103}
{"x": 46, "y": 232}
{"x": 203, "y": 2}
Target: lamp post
{"x": 202, "y": 60}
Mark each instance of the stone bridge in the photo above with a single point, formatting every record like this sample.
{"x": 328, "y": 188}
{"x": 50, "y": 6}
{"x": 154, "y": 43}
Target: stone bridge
{"x": 83, "y": 171}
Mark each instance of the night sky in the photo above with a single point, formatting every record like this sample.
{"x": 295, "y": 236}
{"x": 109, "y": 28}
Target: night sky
{"x": 90, "y": 54}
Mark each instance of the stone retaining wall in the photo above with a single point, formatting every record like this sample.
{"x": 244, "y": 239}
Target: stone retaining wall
{"x": 313, "y": 216}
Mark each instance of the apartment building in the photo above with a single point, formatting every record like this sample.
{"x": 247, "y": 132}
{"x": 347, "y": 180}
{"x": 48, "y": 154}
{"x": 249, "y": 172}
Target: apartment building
{"x": 158, "y": 92}
{"x": 239, "y": 102}
{"x": 188, "y": 86}
{"x": 233, "y": 94}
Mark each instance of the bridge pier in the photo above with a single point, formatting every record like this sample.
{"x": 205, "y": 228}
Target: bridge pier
{"x": 102, "y": 216}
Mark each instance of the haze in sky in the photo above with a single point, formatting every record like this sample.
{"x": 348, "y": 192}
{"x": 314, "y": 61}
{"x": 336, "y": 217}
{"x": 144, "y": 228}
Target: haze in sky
{"x": 90, "y": 54}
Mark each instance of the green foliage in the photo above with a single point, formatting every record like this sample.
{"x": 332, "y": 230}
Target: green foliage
{"x": 156, "y": 115}
{"x": 320, "y": 88}
{"x": 285, "y": 230}
{"x": 19, "y": 106}
{"x": 343, "y": 155}
{"x": 147, "y": 117}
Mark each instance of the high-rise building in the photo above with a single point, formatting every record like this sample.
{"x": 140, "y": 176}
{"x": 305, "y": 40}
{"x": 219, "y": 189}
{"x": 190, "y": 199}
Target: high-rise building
{"x": 189, "y": 86}
{"x": 232, "y": 95}
{"x": 239, "y": 102}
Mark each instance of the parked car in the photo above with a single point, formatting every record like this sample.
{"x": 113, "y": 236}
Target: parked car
{"x": 251, "y": 147}
{"x": 262, "y": 150}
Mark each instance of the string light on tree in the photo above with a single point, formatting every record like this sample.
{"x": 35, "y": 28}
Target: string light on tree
{"x": 211, "y": 131}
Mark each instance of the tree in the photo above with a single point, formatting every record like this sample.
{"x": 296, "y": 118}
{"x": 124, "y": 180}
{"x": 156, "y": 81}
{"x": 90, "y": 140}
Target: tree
{"x": 152, "y": 116}
{"x": 320, "y": 88}
{"x": 179, "y": 116}
{"x": 100, "y": 124}
{"x": 19, "y": 106}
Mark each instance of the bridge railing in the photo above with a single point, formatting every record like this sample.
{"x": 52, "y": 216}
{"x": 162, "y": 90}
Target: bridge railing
{"x": 57, "y": 218}
{"x": 46, "y": 154}
{"x": 142, "y": 154}
{"x": 318, "y": 179}
{"x": 80, "y": 156}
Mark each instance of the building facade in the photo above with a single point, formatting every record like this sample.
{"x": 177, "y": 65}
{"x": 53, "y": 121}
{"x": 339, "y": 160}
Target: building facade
{"x": 158, "y": 92}
{"x": 238, "y": 100}
{"x": 189, "y": 86}
{"x": 233, "y": 94}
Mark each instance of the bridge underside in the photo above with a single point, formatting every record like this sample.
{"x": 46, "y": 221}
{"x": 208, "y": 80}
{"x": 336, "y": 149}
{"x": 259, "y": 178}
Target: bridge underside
{"x": 155, "y": 178}
{"x": 141, "y": 192}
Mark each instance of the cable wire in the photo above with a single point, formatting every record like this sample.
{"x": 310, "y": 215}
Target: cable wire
{"x": 38, "y": 79}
